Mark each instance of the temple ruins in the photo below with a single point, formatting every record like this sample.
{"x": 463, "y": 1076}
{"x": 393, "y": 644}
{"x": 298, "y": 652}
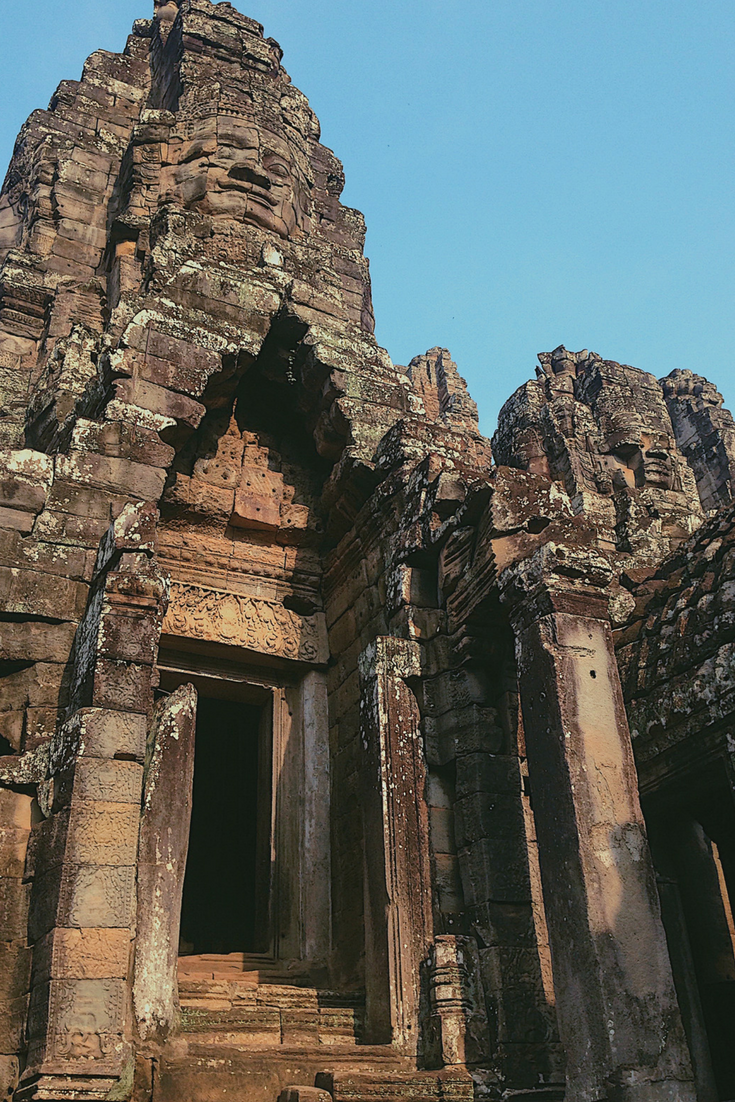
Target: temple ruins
{"x": 345, "y": 755}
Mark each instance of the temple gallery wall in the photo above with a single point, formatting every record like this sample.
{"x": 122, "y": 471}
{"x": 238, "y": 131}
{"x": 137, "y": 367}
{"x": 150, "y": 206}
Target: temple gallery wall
{"x": 345, "y": 755}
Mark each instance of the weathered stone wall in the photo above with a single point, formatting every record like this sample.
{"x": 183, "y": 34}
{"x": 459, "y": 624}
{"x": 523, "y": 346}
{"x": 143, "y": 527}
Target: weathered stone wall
{"x": 675, "y": 655}
{"x": 705, "y": 434}
{"x": 676, "y": 662}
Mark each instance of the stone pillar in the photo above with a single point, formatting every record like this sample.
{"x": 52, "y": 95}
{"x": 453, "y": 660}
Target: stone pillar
{"x": 618, "y": 1016}
{"x": 316, "y": 870}
{"x": 398, "y": 916}
{"x": 164, "y": 845}
{"x": 83, "y": 855}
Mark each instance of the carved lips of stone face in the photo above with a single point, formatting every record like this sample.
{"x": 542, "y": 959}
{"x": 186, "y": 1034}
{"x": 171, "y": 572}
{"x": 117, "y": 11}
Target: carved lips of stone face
{"x": 246, "y": 174}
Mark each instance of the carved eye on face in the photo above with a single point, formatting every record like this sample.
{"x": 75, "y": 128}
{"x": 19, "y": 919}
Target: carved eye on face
{"x": 278, "y": 169}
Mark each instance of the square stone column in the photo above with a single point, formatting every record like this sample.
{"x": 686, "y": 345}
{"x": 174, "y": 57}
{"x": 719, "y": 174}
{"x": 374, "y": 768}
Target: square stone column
{"x": 398, "y": 917}
{"x": 83, "y": 855}
{"x": 618, "y": 1015}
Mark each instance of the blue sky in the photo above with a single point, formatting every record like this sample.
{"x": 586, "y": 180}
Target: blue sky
{"x": 533, "y": 172}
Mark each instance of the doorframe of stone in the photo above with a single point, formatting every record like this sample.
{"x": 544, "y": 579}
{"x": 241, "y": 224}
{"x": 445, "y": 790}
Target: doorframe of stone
{"x": 293, "y": 698}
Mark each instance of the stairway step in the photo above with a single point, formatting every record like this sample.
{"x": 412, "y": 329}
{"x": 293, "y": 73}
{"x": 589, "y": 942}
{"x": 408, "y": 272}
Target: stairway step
{"x": 447, "y": 1085}
{"x": 264, "y": 1015}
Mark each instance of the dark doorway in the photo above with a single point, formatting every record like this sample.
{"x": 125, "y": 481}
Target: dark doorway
{"x": 225, "y": 902}
{"x": 692, "y": 833}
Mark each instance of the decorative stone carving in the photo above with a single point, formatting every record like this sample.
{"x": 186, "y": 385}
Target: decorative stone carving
{"x": 239, "y": 620}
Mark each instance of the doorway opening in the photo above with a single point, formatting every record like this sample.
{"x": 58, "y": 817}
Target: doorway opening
{"x": 692, "y": 834}
{"x": 226, "y": 900}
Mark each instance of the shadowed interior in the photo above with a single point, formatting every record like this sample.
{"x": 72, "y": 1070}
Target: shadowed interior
{"x": 221, "y": 885}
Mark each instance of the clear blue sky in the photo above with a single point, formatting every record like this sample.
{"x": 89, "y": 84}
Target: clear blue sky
{"x": 533, "y": 172}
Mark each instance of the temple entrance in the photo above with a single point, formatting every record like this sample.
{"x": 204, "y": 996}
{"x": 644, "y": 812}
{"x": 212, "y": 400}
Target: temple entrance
{"x": 225, "y": 906}
{"x": 692, "y": 834}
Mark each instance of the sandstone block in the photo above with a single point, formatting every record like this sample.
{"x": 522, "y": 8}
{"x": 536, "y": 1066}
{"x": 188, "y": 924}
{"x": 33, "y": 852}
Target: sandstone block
{"x": 40, "y": 725}
{"x": 76, "y": 251}
{"x": 122, "y": 685}
{"x": 12, "y": 725}
{"x": 83, "y": 896}
{"x": 304, "y": 1094}
{"x": 16, "y": 519}
{"x": 496, "y": 773}
{"x": 122, "y": 440}
{"x": 488, "y": 873}
{"x": 36, "y": 685}
{"x": 102, "y": 833}
{"x": 9, "y": 1074}
{"x": 83, "y": 501}
{"x": 34, "y": 642}
{"x": 490, "y": 816}
{"x": 526, "y": 1019}
{"x": 121, "y": 476}
{"x": 106, "y": 733}
{"x": 25, "y": 479}
{"x": 128, "y": 634}
{"x": 158, "y": 399}
{"x": 89, "y": 1009}
{"x": 13, "y": 844}
{"x": 74, "y": 953}
{"x": 193, "y": 495}
{"x": 506, "y": 924}
{"x": 15, "y": 969}
{"x": 165, "y": 347}
{"x": 110, "y": 781}
{"x": 258, "y": 499}
{"x": 66, "y": 529}
{"x": 12, "y": 1022}
{"x": 14, "y": 899}
{"x": 41, "y": 556}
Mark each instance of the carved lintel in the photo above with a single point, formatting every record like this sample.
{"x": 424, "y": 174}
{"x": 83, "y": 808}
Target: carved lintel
{"x": 239, "y": 620}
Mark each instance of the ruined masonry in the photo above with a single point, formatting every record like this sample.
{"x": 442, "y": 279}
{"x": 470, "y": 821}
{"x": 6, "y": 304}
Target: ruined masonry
{"x": 339, "y": 761}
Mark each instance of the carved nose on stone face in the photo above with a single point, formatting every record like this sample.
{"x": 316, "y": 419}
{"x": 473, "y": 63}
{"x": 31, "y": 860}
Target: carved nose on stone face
{"x": 248, "y": 175}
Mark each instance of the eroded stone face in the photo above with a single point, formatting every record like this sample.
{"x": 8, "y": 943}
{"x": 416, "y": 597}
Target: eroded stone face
{"x": 602, "y": 429}
{"x": 233, "y": 168}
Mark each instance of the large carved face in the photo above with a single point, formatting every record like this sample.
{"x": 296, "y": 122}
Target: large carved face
{"x": 645, "y": 461}
{"x": 230, "y": 168}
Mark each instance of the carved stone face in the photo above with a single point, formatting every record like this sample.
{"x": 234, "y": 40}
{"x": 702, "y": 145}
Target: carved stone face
{"x": 646, "y": 462}
{"x": 233, "y": 169}
{"x": 657, "y": 466}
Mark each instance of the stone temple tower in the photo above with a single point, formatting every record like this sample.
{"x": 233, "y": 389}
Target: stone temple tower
{"x": 316, "y": 771}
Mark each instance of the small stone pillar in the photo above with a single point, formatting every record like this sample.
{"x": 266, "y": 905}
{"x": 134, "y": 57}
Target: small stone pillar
{"x": 458, "y": 1021}
{"x": 618, "y": 1016}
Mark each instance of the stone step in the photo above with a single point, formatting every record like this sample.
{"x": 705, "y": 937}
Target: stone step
{"x": 236, "y": 1011}
{"x": 205, "y": 1073}
{"x": 407, "y": 1085}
